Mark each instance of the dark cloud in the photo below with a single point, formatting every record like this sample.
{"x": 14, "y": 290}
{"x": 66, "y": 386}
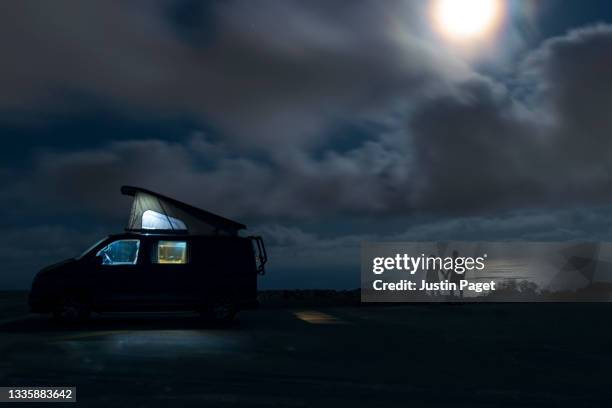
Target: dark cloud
{"x": 474, "y": 147}
{"x": 481, "y": 148}
{"x": 272, "y": 72}
{"x": 206, "y": 174}
{"x": 24, "y": 250}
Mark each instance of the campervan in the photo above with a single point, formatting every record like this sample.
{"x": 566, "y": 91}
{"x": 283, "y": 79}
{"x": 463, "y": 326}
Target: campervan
{"x": 172, "y": 257}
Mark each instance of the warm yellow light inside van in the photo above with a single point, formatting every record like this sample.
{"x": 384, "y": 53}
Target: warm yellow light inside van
{"x": 172, "y": 252}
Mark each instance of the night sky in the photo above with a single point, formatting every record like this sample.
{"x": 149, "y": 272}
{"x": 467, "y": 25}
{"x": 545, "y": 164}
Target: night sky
{"x": 319, "y": 124}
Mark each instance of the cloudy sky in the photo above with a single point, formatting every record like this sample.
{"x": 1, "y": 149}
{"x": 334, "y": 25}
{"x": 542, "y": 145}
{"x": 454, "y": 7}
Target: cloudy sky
{"x": 320, "y": 124}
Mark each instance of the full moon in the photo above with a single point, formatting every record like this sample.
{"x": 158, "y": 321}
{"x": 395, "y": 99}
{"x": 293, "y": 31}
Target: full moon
{"x": 463, "y": 20}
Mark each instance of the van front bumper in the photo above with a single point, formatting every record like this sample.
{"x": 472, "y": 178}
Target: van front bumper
{"x": 39, "y": 304}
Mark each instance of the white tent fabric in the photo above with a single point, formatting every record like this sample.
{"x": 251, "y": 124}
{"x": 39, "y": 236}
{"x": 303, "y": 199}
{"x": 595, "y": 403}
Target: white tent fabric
{"x": 153, "y": 220}
{"x": 152, "y": 211}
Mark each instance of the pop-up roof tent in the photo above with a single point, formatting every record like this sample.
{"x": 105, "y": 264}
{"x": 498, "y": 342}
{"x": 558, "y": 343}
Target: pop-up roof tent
{"x": 155, "y": 212}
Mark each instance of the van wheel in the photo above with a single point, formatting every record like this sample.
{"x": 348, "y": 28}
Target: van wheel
{"x": 220, "y": 312}
{"x": 71, "y": 310}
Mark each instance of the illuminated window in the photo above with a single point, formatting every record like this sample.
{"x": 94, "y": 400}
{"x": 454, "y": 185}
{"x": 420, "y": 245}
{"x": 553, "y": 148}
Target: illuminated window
{"x": 171, "y": 252}
{"x": 156, "y": 221}
{"x": 122, "y": 252}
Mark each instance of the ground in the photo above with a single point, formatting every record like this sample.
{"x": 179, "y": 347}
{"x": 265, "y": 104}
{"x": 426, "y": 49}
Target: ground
{"x": 470, "y": 355}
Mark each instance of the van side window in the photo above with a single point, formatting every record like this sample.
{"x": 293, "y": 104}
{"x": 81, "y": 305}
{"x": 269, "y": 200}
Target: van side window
{"x": 170, "y": 252}
{"x": 122, "y": 252}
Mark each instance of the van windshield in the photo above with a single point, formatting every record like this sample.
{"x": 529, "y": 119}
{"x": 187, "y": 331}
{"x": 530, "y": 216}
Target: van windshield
{"x": 88, "y": 250}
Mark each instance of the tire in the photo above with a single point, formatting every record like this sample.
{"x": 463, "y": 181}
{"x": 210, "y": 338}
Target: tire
{"x": 220, "y": 312}
{"x": 71, "y": 310}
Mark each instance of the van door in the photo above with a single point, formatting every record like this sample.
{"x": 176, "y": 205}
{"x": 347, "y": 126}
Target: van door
{"x": 117, "y": 277}
{"x": 171, "y": 272}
